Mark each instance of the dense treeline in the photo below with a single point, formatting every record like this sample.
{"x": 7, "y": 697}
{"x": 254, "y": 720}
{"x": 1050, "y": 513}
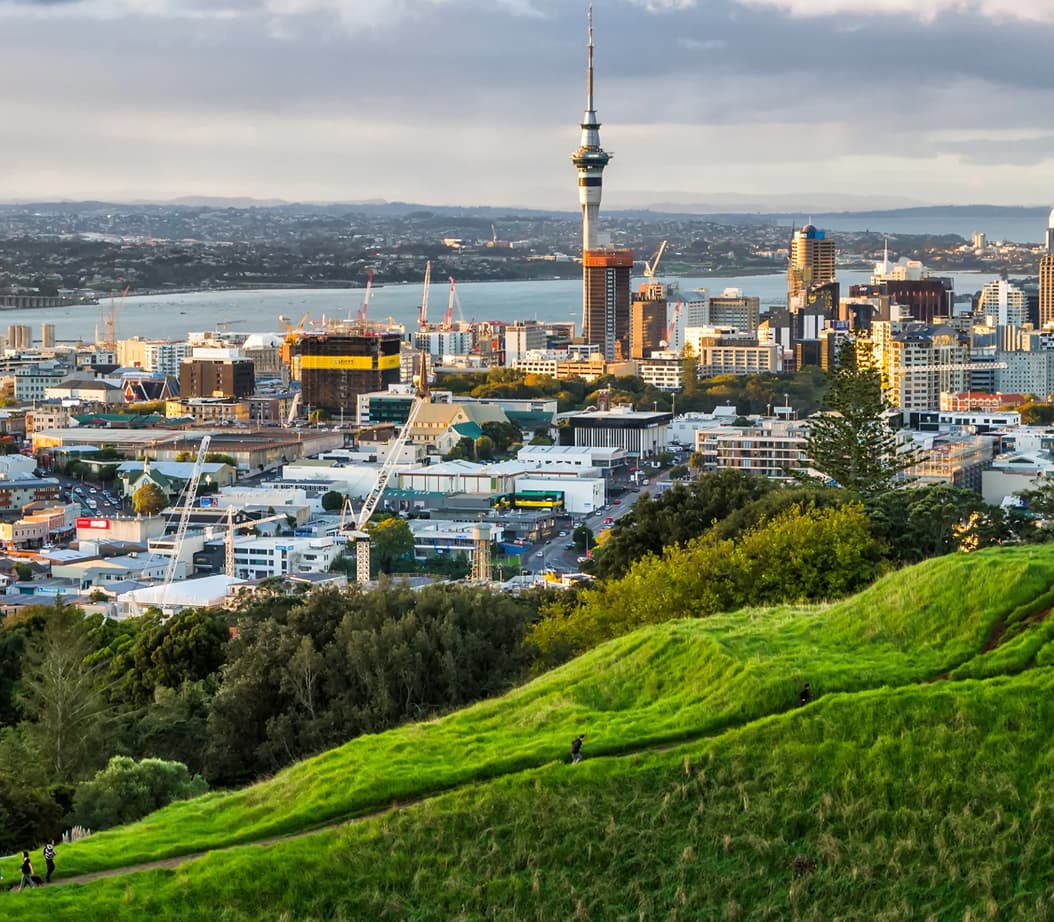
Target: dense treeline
{"x": 218, "y": 698}
{"x": 804, "y": 389}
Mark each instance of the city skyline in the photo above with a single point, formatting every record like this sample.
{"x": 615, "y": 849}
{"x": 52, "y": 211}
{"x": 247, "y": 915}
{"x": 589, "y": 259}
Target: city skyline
{"x": 896, "y": 103}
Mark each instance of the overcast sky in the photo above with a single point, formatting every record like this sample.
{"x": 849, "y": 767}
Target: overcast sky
{"x": 803, "y": 103}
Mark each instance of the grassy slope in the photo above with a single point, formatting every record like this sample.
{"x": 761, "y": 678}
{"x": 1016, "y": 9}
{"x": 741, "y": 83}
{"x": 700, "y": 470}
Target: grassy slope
{"x": 930, "y": 802}
{"x": 678, "y": 681}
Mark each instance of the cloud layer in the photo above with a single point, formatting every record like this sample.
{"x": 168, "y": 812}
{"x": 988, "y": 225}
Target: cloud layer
{"x": 477, "y": 101}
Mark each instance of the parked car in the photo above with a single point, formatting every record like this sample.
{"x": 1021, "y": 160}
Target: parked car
{"x": 608, "y": 520}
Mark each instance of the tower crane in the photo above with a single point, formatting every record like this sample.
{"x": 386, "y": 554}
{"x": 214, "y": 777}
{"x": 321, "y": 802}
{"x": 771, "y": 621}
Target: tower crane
{"x": 650, "y": 268}
{"x": 422, "y": 317}
{"x": 366, "y": 298}
{"x": 373, "y": 498}
{"x": 228, "y": 544}
{"x": 672, "y": 328}
{"x": 110, "y": 320}
{"x": 448, "y": 318}
{"x": 188, "y": 504}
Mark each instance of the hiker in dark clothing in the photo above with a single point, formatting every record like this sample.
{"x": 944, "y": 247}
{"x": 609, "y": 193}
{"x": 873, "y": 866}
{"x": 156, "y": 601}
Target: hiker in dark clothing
{"x": 27, "y": 873}
{"x": 806, "y": 696}
{"x": 49, "y": 859}
{"x": 576, "y": 749}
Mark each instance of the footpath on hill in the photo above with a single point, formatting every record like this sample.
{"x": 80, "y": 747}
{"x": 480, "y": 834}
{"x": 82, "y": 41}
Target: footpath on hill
{"x": 178, "y": 860}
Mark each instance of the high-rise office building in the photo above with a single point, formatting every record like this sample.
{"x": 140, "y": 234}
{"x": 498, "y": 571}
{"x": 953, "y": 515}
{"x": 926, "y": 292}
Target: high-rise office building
{"x": 1046, "y": 279}
{"x": 338, "y": 366}
{"x": 811, "y": 261}
{"x": 606, "y": 296}
{"x": 605, "y": 272}
{"x": 648, "y": 326}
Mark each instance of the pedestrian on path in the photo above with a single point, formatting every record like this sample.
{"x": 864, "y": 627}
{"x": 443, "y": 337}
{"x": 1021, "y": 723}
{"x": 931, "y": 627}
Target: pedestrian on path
{"x": 27, "y": 873}
{"x": 806, "y": 696}
{"x": 49, "y": 859}
{"x": 576, "y": 749}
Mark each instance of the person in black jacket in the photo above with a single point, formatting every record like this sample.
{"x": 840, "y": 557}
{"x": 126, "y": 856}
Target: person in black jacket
{"x": 27, "y": 873}
{"x": 806, "y": 696}
{"x": 576, "y": 749}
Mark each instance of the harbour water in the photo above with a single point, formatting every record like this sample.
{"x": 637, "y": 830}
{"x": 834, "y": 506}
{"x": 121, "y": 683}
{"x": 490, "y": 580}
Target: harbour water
{"x": 172, "y": 316}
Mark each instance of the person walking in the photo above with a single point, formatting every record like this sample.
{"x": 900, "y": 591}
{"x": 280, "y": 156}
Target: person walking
{"x": 27, "y": 873}
{"x": 806, "y": 696}
{"x": 49, "y": 859}
{"x": 576, "y": 749}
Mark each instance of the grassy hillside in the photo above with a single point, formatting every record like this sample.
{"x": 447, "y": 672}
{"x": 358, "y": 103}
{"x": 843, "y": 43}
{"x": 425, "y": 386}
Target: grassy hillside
{"x": 877, "y": 783}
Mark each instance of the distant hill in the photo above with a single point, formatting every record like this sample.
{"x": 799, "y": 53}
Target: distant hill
{"x": 915, "y": 786}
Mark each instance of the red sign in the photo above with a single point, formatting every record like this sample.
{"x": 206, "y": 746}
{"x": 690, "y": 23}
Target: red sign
{"x": 93, "y": 523}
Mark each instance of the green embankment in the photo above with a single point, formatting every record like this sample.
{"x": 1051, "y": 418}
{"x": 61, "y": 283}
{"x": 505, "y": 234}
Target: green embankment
{"x": 881, "y": 783}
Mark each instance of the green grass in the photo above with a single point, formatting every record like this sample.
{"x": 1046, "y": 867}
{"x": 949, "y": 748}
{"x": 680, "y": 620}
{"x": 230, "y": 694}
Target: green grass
{"x": 930, "y": 802}
{"x": 887, "y": 738}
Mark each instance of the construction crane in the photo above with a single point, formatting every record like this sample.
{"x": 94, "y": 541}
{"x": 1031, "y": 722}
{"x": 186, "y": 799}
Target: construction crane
{"x": 366, "y": 298}
{"x": 422, "y": 316}
{"x": 294, "y": 406}
{"x": 448, "y": 319}
{"x": 650, "y": 268}
{"x": 228, "y": 544}
{"x": 373, "y": 498}
{"x": 110, "y": 319}
{"x": 188, "y": 505}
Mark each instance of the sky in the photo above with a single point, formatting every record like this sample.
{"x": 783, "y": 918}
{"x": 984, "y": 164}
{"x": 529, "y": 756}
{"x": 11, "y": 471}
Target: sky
{"x": 740, "y": 104}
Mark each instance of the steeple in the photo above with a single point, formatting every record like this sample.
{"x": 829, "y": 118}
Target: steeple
{"x": 590, "y": 158}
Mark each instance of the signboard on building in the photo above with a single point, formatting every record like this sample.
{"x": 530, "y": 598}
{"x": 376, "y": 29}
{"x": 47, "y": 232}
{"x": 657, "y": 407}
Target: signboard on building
{"x": 210, "y": 502}
{"x": 93, "y": 523}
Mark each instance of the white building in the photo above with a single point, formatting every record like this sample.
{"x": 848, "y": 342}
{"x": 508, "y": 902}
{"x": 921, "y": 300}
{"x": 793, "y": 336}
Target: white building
{"x": 207, "y": 592}
{"x": 1003, "y": 304}
{"x": 684, "y": 427}
{"x": 640, "y": 434}
{"x": 259, "y": 558}
{"x": 521, "y": 338}
{"x": 571, "y": 457}
{"x": 664, "y": 370}
{"x": 165, "y": 357}
{"x": 582, "y": 495}
{"x": 31, "y": 381}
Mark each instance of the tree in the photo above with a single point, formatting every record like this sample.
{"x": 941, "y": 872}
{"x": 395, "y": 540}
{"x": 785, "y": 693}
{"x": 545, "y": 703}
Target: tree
{"x": 676, "y": 516}
{"x": 390, "y": 542}
{"x": 503, "y": 434}
{"x": 127, "y": 790}
{"x": 149, "y": 499}
{"x": 332, "y": 501}
{"x": 852, "y": 444}
{"x": 582, "y": 537}
{"x": 61, "y": 695}
{"x": 484, "y": 448}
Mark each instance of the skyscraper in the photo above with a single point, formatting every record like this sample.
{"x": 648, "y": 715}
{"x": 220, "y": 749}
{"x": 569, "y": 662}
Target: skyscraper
{"x": 1046, "y": 279}
{"x": 811, "y": 261}
{"x": 605, "y": 271}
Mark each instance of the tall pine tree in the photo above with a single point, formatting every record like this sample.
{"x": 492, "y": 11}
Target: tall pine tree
{"x": 852, "y": 443}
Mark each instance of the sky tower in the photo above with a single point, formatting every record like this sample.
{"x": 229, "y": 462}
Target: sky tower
{"x": 590, "y": 158}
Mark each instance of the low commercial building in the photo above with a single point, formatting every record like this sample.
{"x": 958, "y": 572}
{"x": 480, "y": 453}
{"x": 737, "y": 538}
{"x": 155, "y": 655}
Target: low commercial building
{"x": 639, "y": 433}
{"x": 138, "y": 529}
{"x": 572, "y": 457}
{"x": 40, "y": 527}
{"x": 580, "y": 495}
{"x": 956, "y": 459}
{"x": 664, "y": 371}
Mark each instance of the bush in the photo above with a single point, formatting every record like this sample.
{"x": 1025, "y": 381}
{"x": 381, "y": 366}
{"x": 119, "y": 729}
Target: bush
{"x": 127, "y": 790}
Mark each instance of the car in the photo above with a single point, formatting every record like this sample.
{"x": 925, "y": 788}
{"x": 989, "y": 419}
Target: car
{"x": 563, "y": 534}
{"x": 608, "y": 520}
{"x": 570, "y": 546}
{"x": 582, "y": 559}
{"x": 617, "y": 502}
{"x": 540, "y": 555}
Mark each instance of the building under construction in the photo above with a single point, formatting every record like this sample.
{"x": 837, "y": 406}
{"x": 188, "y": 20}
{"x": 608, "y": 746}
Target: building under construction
{"x": 338, "y": 364}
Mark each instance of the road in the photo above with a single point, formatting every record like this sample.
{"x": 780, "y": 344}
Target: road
{"x": 556, "y": 555}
